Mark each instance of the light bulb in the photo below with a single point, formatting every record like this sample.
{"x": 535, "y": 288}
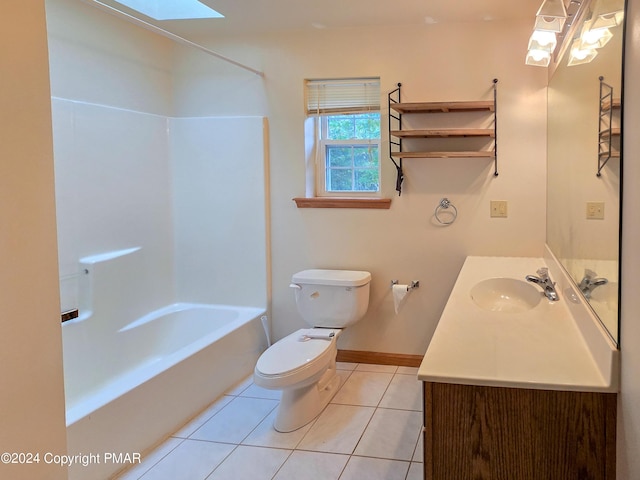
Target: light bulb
{"x": 538, "y": 55}
{"x": 544, "y": 37}
{"x": 580, "y": 54}
{"x": 540, "y": 58}
{"x": 597, "y": 38}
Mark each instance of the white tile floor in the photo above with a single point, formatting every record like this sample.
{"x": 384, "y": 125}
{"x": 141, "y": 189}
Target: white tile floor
{"x": 370, "y": 430}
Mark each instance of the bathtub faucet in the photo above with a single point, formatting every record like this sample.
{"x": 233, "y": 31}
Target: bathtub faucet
{"x": 544, "y": 281}
{"x": 588, "y": 283}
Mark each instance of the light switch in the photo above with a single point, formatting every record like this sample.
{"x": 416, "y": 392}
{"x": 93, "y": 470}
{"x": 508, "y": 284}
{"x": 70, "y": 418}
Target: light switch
{"x": 595, "y": 210}
{"x": 499, "y": 208}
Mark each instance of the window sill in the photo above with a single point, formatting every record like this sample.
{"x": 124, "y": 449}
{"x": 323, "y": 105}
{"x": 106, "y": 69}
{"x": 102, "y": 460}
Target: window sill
{"x": 342, "y": 202}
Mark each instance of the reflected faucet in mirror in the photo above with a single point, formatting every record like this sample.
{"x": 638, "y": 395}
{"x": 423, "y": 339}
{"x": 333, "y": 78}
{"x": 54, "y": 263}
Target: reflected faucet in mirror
{"x": 545, "y": 282}
{"x": 589, "y": 282}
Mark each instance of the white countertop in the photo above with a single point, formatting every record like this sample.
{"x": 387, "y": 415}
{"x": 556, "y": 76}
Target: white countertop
{"x": 542, "y": 348}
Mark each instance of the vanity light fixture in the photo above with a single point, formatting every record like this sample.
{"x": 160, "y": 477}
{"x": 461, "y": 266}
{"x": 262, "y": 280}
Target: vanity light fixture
{"x": 543, "y": 40}
{"x": 607, "y": 14}
{"x": 538, "y": 58}
{"x": 550, "y": 20}
{"x": 596, "y": 38}
{"x": 551, "y": 16}
{"x": 581, "y": 26}
{"x": 596, "y": 31}
{"x": 580, "y": 53}
{"x": 541, "y": 45}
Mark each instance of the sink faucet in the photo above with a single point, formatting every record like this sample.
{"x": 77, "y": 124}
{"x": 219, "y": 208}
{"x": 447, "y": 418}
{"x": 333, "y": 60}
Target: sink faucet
{"x": 545, "y": 282}
{"x": 589, "y": 283}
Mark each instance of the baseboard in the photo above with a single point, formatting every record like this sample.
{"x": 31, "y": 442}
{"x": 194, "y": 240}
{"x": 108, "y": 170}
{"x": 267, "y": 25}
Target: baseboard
{"x": 358, "y": 356}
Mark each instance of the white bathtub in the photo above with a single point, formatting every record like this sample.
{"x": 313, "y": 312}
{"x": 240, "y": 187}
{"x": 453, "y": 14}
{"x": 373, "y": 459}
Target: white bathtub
{"x": 162, "y": 370}
{"x": 131, "y": 383}
{"x": 96, "y": 374}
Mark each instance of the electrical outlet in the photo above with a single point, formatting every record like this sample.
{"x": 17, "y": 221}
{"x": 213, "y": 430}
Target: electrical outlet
{"x": 595, "y": 210}
{"x": 499, "y": 208}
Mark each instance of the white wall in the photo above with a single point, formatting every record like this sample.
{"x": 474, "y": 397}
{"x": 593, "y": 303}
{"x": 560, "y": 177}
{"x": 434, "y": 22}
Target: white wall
{"x": 113, "y": 190}
{"x": 439, "y": 62}
{"x": 110, "y": 103}
{"x": 31, "y": 395}
{"x": 129, "y": 174}
{"x": 629, "y": 399}
{"x": 219, "y": 188}
{"x": 189, "y": 191}
{"x": 101, "y": 59}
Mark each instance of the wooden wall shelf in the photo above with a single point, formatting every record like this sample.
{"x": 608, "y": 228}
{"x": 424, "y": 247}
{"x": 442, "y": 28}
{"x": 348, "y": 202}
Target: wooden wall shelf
{"x": 444, "y": 132}
{"x": 444, "y": 107}
{"x": 461, "y": 154}
{"x": 397, "y": 150}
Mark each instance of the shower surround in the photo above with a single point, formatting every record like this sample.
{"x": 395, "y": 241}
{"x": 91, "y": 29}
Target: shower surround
{"x": 165, "y": 219}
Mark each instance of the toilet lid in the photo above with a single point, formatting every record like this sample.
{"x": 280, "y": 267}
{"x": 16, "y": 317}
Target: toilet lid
{"x": 291, "y": 353}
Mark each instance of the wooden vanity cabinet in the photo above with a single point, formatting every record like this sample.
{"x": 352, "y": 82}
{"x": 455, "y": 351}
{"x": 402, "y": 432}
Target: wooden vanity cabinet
{"x": 481, "y": 433}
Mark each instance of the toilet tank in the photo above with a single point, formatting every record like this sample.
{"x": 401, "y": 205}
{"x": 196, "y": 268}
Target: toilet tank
{"x": 331, "y": 298}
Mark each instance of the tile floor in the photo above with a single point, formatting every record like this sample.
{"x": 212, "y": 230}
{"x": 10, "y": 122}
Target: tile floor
{"x": 370, "y": 430}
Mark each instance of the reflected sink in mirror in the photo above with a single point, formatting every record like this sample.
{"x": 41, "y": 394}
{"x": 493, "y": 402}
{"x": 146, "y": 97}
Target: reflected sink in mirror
{"x": 508, "y": 295}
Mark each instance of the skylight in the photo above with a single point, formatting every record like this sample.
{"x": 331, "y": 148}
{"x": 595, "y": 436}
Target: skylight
{"x": 171, "y": 9}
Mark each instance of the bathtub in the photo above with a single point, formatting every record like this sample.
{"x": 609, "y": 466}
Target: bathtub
{"x": 131, "y": 383}
{"x": 145, "y": 348}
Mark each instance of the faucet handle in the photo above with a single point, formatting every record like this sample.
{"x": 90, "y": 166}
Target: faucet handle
{"x": 543, "y": 272}
{"x": 589, "y": 273}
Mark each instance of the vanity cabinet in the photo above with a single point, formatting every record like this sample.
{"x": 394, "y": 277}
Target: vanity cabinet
{"x": 498, "y": 433}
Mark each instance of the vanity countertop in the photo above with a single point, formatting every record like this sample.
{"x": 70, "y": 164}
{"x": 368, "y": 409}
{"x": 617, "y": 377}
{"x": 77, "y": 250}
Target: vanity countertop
{"x": 541, "y": 348}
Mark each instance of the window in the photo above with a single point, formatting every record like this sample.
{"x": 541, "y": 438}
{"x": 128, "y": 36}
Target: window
{"x": 346, "y": 135}
{"x": 349, "y": 146}
{"x": 167, "y": 10}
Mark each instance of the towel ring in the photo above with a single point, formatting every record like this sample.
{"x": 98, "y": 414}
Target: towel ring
{"x": 444, "y": 204}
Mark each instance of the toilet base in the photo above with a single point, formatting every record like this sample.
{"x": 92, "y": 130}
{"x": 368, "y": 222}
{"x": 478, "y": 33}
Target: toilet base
{"x": 300, "y": 406}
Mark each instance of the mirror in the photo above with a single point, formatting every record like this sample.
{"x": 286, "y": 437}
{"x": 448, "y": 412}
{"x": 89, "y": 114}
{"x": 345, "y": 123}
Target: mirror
{"x": 583, "y": 170}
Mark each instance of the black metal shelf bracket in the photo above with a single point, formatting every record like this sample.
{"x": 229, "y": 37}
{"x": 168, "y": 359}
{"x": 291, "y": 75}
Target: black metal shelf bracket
{"x": 394, "y": 97}
{"x": 495, "y": 127}
{"x": 605, "y": 112}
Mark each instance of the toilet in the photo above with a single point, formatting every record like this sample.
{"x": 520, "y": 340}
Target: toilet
{"x": 303, "y": 364}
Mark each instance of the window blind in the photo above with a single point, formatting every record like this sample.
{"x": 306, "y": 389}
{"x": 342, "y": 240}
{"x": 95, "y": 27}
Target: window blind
{"x": 331, "y": 97}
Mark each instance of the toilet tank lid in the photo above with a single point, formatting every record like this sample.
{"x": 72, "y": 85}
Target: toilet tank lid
{"x": 346, "y": 278}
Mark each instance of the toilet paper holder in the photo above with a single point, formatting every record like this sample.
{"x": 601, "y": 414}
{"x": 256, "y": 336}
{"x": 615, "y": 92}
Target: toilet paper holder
{"x": 411, "y": 286}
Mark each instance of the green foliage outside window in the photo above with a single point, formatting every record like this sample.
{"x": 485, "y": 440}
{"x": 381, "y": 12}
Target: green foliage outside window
{"x": 351, "y": 164}
{"x": 364, "y": 126}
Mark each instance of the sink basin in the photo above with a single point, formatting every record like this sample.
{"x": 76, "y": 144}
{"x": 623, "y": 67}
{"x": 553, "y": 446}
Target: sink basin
{"x": 507, "y": 295}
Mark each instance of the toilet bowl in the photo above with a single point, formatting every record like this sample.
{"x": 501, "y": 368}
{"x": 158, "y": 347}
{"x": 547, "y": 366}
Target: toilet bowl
{"x": 305, "y": 370}
{"x": 303, "y": 364}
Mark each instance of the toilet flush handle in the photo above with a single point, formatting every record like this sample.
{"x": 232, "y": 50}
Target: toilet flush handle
{"x": 295, "y": 285}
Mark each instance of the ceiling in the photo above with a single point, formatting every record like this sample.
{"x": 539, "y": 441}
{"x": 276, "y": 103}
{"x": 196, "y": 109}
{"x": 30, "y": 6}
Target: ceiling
{"x": 270, "y": 16}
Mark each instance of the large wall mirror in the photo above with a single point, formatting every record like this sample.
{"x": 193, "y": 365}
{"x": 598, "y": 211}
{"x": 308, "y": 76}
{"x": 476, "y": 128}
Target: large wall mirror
{"x": 584, "y": 162}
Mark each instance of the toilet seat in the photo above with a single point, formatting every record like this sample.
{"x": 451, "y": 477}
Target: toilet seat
{"x": 293, "y": 359}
